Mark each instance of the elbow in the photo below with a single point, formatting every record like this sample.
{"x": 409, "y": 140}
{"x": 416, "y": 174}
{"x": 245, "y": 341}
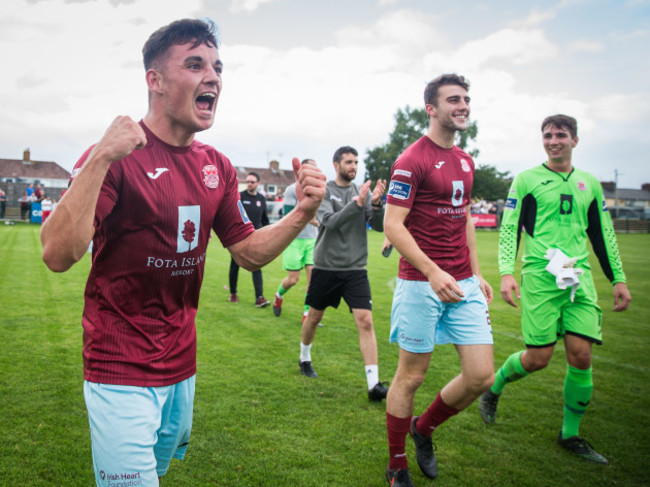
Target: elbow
{"x": 55, "y": 264}
{"x": 247, "y": 264}
{"x": 57, "y": 261}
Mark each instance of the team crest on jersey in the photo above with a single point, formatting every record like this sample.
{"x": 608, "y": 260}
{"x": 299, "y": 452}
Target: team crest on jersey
{"x": 399, "y": 190}
{"x": 605, "y": 206}
{"x": 210, "y": 176}
{"x": 464, "y": 165}
{"x": 259, "y": 203}
{"x": 581, "y": 186}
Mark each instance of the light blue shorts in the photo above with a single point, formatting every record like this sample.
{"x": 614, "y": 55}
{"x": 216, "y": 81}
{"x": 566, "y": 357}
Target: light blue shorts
{"x": 419, "y": 319}
{"x": 135, "y": 431}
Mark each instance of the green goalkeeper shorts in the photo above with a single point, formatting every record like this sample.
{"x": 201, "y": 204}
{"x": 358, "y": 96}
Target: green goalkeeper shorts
{"x": 298, "y": 254}
{"x": 547, "y": 312}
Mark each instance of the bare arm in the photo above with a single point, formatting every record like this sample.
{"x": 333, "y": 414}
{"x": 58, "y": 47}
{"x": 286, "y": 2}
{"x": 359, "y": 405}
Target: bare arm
{"x": 67, "y": 232}
{"x": 473, "y": 257}
{"x": 265, "y": 244}
{"x": 443, "y": 284}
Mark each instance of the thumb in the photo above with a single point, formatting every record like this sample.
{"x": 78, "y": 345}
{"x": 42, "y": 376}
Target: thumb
{"x": 295, "y": 162}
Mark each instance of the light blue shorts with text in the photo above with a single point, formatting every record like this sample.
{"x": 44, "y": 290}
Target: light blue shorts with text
{"x": 420, "y": 320}
{"x": 135, "y": 431}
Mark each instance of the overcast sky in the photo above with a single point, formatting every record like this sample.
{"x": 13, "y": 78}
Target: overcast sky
{"x": 303, "y": 77}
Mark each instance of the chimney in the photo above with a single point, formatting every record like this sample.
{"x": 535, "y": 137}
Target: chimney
{"x": 26, "y": 156}
{"x": 645, "y": 186}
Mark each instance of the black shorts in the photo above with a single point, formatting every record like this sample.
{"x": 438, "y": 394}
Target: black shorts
{"x": 326, "y": 288}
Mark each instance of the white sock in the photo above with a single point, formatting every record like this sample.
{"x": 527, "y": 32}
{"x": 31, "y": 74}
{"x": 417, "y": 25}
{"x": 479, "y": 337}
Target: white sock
{"x": 372, "y": 375}
{"x": 305, "y": 353}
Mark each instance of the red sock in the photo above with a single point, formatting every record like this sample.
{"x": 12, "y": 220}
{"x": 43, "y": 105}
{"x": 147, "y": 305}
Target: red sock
{"x": 437, "y": 414}
{"x": 397, "y": 429}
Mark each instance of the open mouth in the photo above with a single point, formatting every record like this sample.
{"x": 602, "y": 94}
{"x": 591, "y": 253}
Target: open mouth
{"x": 205, "y": 101}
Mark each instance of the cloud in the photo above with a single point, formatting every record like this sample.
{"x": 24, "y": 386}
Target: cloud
{"x": 586, "y": 46}
{"x": 247, "y": 6}
{"x": 517, "y": 46}
{"x": 534, "y": 18}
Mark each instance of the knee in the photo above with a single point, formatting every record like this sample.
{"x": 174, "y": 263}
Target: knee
{"x": 409, "y": 382}
{"x": 581, "y": 360}
{"x": 532, "y": 362}
{"x": 480, "y": 383}
{"x": 292, "y": 280}
{"x": 365, "y": 324}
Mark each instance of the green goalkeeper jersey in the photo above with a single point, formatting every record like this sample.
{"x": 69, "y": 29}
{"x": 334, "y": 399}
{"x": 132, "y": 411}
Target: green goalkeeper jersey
{"x": 557, "y": 210}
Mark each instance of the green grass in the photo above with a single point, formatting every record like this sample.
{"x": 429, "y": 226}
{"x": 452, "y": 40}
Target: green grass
{"x": 258, "y": 422}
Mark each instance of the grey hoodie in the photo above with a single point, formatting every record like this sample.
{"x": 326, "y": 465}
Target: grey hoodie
{"x": 342, "y": 242}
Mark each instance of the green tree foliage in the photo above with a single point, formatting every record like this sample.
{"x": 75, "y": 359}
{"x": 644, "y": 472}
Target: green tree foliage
{"x": 410, "y": 124}
{"x": 490, "y": 184}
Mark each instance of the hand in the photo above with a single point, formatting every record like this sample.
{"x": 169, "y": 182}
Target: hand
{"x": 310, "y": 186}
{"x": 508, "y": 285}
{"x": 363, "y": 193}
{"x": 121, "y": 138}
{"x": 386, "y": 247}
{"x": 446, "y": 287}
{"x": 378, "y": 192}
{"x": 486, "y": 288}
{"x": 622, "y": 296}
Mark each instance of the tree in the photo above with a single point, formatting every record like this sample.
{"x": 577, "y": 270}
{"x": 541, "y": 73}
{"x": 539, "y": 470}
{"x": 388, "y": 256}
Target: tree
{"x": 490, "y": 184}
{"x": 410, "y": 125}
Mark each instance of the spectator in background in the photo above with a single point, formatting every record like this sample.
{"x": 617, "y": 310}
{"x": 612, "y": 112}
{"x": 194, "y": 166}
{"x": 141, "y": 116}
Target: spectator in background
{"x": 46, "y": 207}
{"x": 254, "y": 203}
{"x": 3, "y": 203}
{"x": 39, "y": 194}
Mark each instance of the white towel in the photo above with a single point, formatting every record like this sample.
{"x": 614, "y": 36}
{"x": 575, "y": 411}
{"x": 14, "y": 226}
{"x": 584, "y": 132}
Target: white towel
{"x": 563, "y": 268}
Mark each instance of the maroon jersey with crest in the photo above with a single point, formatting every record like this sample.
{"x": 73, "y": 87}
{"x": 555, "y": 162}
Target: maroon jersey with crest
{"x": 152, "y": 225}
{"x": 436, "y": 184}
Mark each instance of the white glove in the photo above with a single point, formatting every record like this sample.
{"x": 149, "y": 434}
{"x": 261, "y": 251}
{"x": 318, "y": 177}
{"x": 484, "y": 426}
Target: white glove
{"x": 562, "y": 267}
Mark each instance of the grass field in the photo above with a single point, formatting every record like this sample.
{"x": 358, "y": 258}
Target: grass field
{"x": 258, "y": 422}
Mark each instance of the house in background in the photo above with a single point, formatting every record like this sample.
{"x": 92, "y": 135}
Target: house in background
{"x": 627, "y": 203}
{"x": 273, "y": 183}
{"x": 17, "y": 174}
{"x": 273, "y": 179}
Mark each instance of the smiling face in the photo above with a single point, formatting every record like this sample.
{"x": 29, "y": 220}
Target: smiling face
{"x": 185, "y": 86}
{"x": 451, "y": 111}
{"x": 558, "y": 144}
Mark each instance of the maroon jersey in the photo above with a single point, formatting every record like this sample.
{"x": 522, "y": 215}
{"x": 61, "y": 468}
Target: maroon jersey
{"x": 152, "y": 225}
{"x": 435, "y": 183}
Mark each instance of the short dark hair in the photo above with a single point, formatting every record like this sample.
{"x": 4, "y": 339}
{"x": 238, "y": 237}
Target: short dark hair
{"x": 562, "y": 122}
{"x": 346, "y": 149}
{"x": 307, "y": 161}
{"x": 179, "y": 32}
{"x": 431, "y": 90}
{"x": 255, "y": 175}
